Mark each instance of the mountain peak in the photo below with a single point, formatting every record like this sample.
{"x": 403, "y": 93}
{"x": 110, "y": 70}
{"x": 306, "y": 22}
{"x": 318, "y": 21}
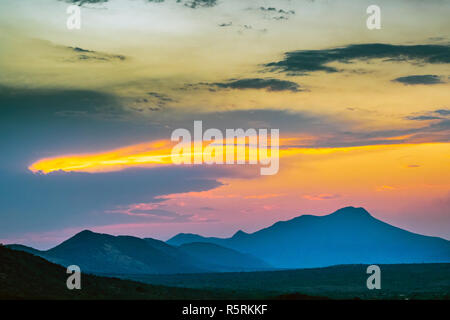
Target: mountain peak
{"x": 239, "y": 233}
{"x": 351, "y": 211}
{"x": 84, "y": 234}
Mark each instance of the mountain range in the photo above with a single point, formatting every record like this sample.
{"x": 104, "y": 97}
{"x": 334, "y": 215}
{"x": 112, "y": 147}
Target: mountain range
{"x": 348, "y": 236}
{"x": 106, "y": 254}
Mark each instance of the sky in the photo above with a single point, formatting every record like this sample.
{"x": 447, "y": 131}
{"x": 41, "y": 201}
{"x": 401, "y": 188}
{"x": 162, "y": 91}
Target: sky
{"x": 86, "y": 115}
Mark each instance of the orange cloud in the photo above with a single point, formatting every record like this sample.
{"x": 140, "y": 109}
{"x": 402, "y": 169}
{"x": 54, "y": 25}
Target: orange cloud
{"x": 385, "y": 188}
{"x": 323, "y": 196}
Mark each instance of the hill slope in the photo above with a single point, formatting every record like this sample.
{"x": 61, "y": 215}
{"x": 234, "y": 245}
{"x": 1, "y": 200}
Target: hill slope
{"x": 24, "y": 276}
{"x": 347, "y": 236}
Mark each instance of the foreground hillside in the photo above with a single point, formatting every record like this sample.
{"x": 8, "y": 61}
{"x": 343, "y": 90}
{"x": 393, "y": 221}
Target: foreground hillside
{"x": 24, "y": 276}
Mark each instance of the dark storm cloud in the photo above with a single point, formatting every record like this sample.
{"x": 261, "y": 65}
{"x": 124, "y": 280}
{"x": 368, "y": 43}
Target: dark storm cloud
{"x": 48, "y": 104}
{"x": 269, "y": 84}
{"x": 59, "y": 200}
{"x": 419, "y": 79}
{"x": 38, "y": 123}
{"x": 304, "y": 61}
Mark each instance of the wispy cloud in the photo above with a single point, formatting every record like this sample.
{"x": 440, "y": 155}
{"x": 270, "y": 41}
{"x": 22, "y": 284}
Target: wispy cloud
{"x": 90, "y": 55}
{"x": 440, "y": 114}
{"x": 269, "y": 84}
{"x": 420, "y": 79}
{"x": 306, "y": 61}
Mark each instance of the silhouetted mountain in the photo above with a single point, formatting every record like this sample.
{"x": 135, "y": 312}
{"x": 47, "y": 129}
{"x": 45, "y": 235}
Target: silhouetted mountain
{"x": 103, "y": 253}
{"x": 107, "y": 254}
{"x": 348, "y": 236}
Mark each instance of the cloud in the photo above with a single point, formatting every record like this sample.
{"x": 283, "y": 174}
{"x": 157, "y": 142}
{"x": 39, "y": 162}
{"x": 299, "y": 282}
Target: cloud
{"x": 152, "y": 215}
{"x": 83, "y": 2}
{"x": 85, "y": 55}
{"x": 153, "y": 101}
{"x": 384, "y": 188}
{"x": 277, "y": 14}
{"x": 161, "y": 97}
{"x": 419, "y": 79}
{"x": 439, "y": 114}
{"x": 443, "y": 112}
{"x": 34, "y": 201}
{"x": 193, "y": 4}
{"x": 227, "y": 24}
{"x": 305, "y": 61}
{"x": 323, "y": 196}
{"x": 269, "y": 84}
{"x": 423, "y": 118}
{"x": 48, "y": 122}
{"x": 199, "y": 3}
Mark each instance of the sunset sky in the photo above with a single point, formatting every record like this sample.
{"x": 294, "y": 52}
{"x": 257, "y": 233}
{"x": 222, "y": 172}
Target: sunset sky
{"x": 86, "y": 115}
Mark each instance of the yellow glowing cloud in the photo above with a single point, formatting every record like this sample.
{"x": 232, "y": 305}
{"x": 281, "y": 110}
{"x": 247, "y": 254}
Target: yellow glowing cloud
{"x": 146, "y": 154}
{"x": 154, "y": 153}
{"x": 159, "y": 153}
